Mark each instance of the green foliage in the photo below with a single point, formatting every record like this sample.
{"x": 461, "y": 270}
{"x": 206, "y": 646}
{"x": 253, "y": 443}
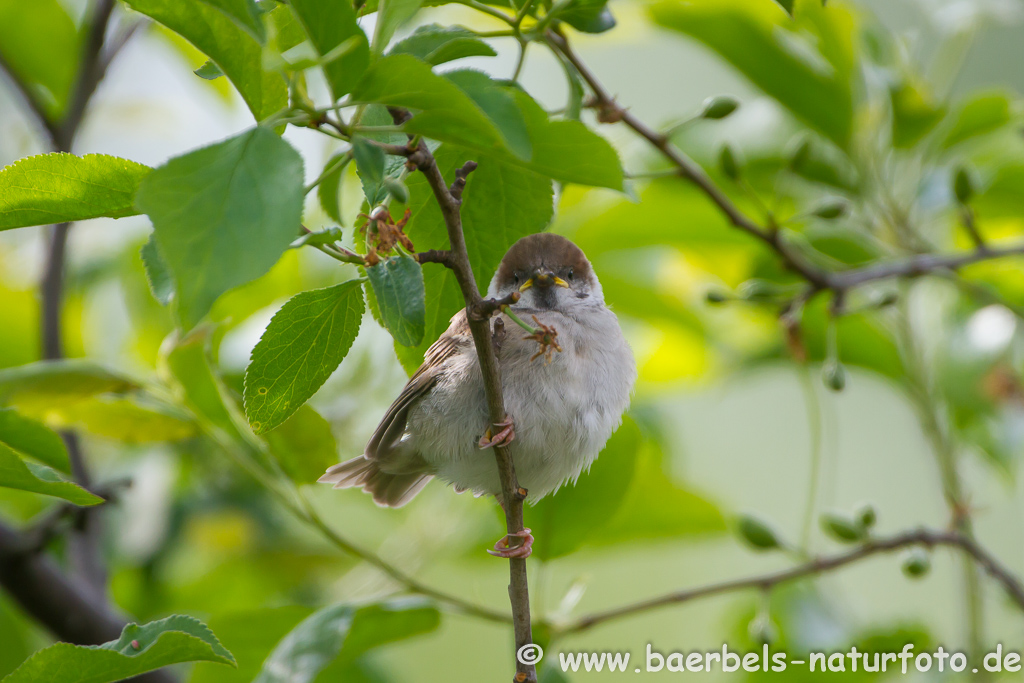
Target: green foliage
{"x": 842, "y": 528}
{"x": 589, "y": 16}
{"x": 979, "y": 115}
{"x": 245, "y": 13}
{"x": 230, "y": 47}
{"x": 758, "y": 533}
{"x": 399, "y": 291}
{"x": 138, "y": 650}
{"x": 243, "y": 209}
{"x": 25, "y": 475}
{"x": 47, "y": 66}
{"x": 328, "y": 192}
{"x": 303, "y": 445}
{"x": 58, "y": 188}
{"x": 33, "y": 439}
{"x": 161, "y": 283}
{"x": 329, "y": 25}
{"x": 304, "y": 343}
{"x": 49, "y": 384}
{"x": 436, "y": 44}
{"x": 341, "y": 633}
{"x": 249, "y": 635}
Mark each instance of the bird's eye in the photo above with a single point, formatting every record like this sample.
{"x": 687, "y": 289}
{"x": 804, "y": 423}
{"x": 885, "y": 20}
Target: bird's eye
{"x": 515, "y": 278}
{"x": 570, "y": 274}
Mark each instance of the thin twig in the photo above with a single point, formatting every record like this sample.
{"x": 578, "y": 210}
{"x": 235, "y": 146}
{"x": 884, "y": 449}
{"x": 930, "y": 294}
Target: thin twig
{"x": 920, "y": 537}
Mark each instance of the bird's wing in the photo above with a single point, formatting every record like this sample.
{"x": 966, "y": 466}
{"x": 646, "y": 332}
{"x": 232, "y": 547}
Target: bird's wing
{"x": 391, "y": 428}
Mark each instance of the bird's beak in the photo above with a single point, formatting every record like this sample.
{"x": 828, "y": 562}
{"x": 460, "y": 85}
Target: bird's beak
{"x": 543, "y": 278}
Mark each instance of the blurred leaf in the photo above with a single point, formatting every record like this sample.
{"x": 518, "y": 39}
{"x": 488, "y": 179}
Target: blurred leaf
{"x": 343, "y": 632}
{"x": 161, "y": 283}
{"x": 564, "y": 521}
{"x": 329, "y": 23}
{"x": 818, "y": 161}
{"x": 124, "y": 420}
{"x": 250, "y": 636}
{"x": 913, "y": 114}
{"x": 977, "y": 116}
{"x": 656, "y": 507}
{"x": 863, "y": 340}
{"x": 209, "y": 71}
{"x": 499, "y": 105}
{"x": 231, "y": 48}
{"x": 244, "y": 13}
{"x": 398, "y": 289}
{"x": 48, "y": 384}
{"x": 138, "y": 650}
{"x": 760, "y": 40}
{"x": 59, "y": 188}
{"x": 589, "y": 16}
{"x": 304, "y": 445}
{"x": 304, "y": 343}
{"x": 33, "y": 439}
{"x": 842, "y": 528}
{"x": 436, "y": 44}
{"x": 16, "y": 473}
{"x": 42, "y": 46}
{"x": 223, "y": 215}
{"x": 501, "y": 203}
{"x": 758, "y": 533}
{"x": 329, "y": 189}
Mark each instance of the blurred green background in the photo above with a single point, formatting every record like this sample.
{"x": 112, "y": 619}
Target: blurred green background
{"x": 724, "y": 420}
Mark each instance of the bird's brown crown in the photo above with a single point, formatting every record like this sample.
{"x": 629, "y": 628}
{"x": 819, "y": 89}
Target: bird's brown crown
{"x": 543, "y": 250}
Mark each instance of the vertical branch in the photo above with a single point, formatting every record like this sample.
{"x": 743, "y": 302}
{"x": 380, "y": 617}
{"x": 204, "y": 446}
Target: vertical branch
{"x": 450, "y": 201}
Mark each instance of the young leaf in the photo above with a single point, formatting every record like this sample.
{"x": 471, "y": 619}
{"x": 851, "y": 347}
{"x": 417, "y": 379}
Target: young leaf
{"x": 370, "y": 166}
{"x": 304, "y": 343}
{"x": 329, "y": 23}
{"x": 58, "y": 188}
{"x": 158, "y": 276}
{"x": 589, "y": 16}
{"x": 500, "y": 106}
{"x": 209, "y": 71}
{"x": 342, "y": 633}
{"x": 223, "y": 215}
{"x": 33, "y": 439}
{"x": 398, "y": 287}
{"x": 436, "y": 44}
{"x": 139, "y": 649}
{"x": 328, "y": 192}
{"x": 235, "y": 51}
{"x": 48, "y": 66}
{"x": 16, "y": 473}
{"x": 758, "y": 533}
{"x": 980, "y": 115}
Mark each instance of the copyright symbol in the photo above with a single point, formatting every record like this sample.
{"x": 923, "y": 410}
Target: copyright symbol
{"x": 530, "y": 654}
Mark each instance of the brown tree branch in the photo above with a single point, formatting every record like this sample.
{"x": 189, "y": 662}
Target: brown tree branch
{"x": 919, "y": 537}
{"x": 450, "y": 201}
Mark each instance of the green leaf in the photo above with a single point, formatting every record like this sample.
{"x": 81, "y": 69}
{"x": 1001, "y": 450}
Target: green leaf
{"x": 398, "y": 288}
{"x": 40, "y": 43}
{"x": 589, "y": 16}
{"x": 500, "y": 106}
{"x": 914, "y": 114}
{"x": 806, "y": 64}
{"x": 329, "y": 23}
{"x": 48, "y": 384}
{"x": 59, "y": 188}
{"x": 328, "y": 192}
{"x": 244, "y": 13}
{"x": 304, "y": 445}
{"x": 436, "y": 44}
{"x": 24, "y": 475}
{"x": 33, "y": 439}
{"x": 446, "y": 113}
{"x": 304, "y": 343}
{"x": 124, "y": 420}
{"x": 842, "y": 528}
{"x": 563, "y": 522}
{"x": 223, "y": 215}
{"x": 342, "y": 633}
{"x": 161, "y": 284}
{"x": 370, "y": 167}
{"x": 139, "y": 649}
{"x": 394, "y": 14}
{"x": 208, "y": 71}
{"x": 979, "y": 115}
{"x": 501, "y": 203}
{"x": 758, "y": 533}
{"x": 238, "y": 54}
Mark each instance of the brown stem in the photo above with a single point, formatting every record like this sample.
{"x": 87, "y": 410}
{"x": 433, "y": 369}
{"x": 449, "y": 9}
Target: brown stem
{"x": 919, "y": 537}
{"x": 450, "y": 200}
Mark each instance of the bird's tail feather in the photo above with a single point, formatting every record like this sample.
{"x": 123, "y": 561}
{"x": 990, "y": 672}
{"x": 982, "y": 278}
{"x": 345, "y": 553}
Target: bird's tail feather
{"x": 389, "y": 490}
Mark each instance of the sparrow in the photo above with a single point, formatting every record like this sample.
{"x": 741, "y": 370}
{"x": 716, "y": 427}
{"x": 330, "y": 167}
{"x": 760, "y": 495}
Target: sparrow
{"x": 562, "y": 407}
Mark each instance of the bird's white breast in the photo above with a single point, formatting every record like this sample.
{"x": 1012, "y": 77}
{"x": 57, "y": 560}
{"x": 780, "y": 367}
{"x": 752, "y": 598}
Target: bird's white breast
{"x": 564, "y": 410}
